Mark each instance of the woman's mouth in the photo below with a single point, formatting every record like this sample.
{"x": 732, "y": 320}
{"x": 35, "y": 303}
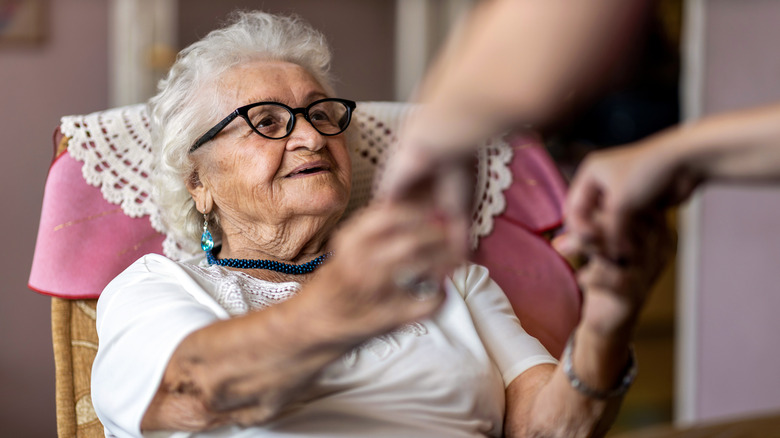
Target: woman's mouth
{"x": 307, "y": 169}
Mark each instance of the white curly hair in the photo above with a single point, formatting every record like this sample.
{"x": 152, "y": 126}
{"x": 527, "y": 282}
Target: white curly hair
{"x": 188, "y": 102}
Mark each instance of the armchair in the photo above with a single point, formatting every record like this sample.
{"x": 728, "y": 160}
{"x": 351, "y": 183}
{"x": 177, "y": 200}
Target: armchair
{"x": 98, "y": 217}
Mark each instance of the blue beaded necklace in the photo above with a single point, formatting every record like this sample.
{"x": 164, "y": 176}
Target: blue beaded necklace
{"x": 272, "y": 265}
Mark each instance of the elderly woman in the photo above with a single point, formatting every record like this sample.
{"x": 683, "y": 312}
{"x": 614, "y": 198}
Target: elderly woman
{"x": 290, "y": 327}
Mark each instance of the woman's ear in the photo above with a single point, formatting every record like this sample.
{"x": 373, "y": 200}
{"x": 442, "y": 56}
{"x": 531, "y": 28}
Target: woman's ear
{"x": 200, "y": 193}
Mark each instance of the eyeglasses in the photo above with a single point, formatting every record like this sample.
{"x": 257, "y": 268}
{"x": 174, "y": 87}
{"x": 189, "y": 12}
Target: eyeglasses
{"x": 275, "y": 120}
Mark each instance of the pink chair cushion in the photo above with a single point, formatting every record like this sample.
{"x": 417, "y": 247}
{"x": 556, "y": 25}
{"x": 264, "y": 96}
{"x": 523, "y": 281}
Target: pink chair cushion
{"x": 83, "y": 240}
{"x": 537, "y": 280}
{"x": 535, "y": 199}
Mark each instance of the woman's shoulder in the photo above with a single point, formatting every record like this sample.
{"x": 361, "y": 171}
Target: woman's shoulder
{"x": 471, "y": 276}
{"x": 147, "y": 270}
{"x": 470, "y": 273}
{"x": 154, "y": 280}
{"x": 152, "y": 261}
{"x": 158, "y": 263}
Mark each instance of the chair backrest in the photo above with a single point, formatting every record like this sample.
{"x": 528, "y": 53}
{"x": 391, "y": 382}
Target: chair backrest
{"x": 98, "y": 217}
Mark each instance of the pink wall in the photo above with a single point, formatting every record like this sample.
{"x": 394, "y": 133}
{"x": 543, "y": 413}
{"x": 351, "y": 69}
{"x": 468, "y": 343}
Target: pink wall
{"x": 67, "y": 74}
{"x": 738, "y": 297}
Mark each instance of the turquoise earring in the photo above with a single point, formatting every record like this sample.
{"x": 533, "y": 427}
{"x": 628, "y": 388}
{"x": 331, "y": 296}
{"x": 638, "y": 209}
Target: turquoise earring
{"x": 206, "y": 240}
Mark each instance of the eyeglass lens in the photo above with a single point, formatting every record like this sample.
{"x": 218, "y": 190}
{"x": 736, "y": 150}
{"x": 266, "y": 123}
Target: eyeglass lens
{"x": 276, "y": 121}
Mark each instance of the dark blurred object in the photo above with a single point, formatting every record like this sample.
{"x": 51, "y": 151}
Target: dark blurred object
{"x": 640, "y": 98}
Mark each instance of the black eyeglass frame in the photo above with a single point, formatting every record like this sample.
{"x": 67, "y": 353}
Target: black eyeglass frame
{"x": 243, "y": 112}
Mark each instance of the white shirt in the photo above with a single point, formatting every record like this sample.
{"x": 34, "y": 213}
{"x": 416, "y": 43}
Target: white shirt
{"x": 444, "y": 376}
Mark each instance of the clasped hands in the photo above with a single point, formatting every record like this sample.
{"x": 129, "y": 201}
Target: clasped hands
{"x": 393, "y": 257}
{"x": 617, "y": 253}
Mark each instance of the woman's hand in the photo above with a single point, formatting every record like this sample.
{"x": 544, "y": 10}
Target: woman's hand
{"x": 615, "y": 288}
{"x": 368, "y": 286}
{"x": 615, "y": 187}
{"x": 431, "y": 179}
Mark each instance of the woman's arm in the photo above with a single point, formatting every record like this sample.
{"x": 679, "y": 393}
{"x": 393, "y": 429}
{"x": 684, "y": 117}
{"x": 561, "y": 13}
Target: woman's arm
{"x": 243, "y": 370}
{"x": 511, "y": 63}
{"x": 613, "y": 186}
{"x": 248, "y": 369}
{"x": 541, "y": 402}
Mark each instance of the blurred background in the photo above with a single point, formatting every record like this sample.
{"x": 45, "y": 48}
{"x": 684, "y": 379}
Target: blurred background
{"x": 706, "y": 344}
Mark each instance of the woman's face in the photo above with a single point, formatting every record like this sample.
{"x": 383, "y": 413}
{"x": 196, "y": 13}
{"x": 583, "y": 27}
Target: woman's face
{"x": 254, "y": 181}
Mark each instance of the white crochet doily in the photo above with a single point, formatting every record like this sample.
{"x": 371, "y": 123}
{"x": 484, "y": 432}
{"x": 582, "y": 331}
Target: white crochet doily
{"x": 115, "y": 147}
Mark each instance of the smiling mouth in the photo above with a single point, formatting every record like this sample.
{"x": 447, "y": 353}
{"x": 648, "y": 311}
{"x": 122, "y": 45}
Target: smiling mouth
{"x": 309, "y": 170}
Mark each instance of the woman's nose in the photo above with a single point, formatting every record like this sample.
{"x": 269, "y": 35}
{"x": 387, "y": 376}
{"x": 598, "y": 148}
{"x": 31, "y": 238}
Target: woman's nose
{"x": 304, "y": 135}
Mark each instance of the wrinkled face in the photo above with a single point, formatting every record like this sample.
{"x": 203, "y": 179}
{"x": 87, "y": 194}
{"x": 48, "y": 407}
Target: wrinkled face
{"x": 255, "y": 180}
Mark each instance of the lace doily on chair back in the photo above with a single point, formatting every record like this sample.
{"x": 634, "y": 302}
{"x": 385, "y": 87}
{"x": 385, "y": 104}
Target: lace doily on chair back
{"x": 115, "y": 147}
